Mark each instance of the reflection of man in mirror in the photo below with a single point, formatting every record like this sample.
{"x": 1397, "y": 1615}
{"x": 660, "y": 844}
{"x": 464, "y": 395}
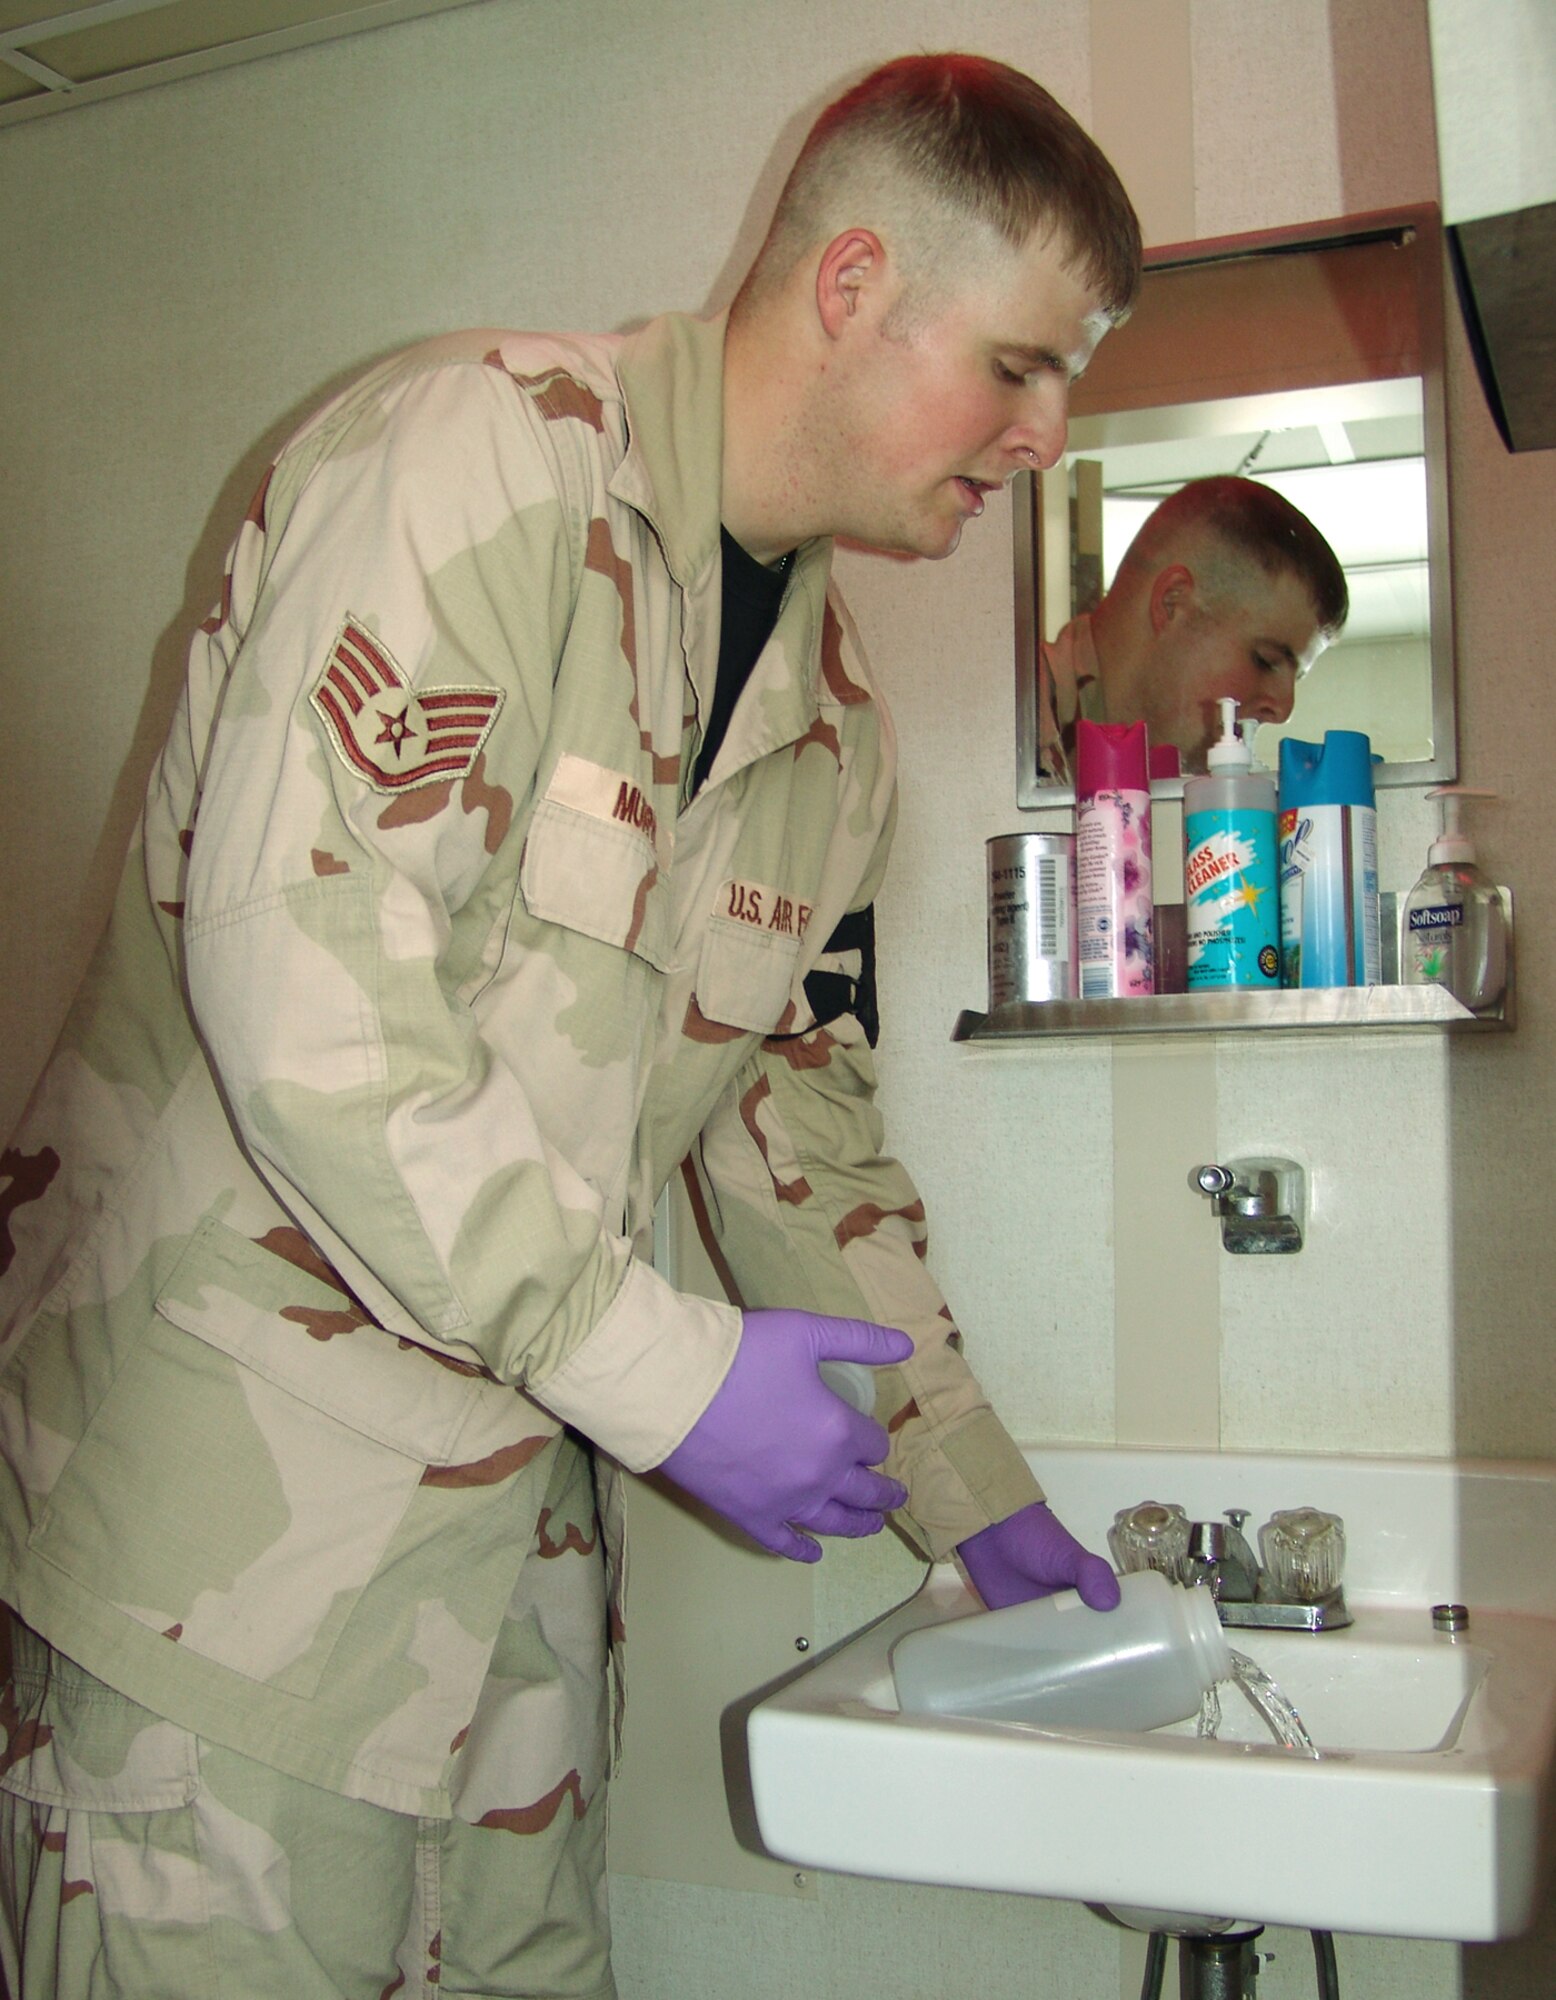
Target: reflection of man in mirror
{"x": 1227, "y": 590}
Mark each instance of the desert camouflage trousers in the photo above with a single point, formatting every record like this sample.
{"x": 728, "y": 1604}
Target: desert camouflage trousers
{"x": 140, "y": 1862}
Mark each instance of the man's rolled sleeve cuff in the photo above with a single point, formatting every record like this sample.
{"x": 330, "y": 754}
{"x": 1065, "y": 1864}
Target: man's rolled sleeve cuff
{"x": 977, "y": 1476}
{"x": 647, "y": 1371}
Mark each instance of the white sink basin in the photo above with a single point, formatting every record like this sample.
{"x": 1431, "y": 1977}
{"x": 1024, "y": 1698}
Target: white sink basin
{"x": 1421, "y": 1817}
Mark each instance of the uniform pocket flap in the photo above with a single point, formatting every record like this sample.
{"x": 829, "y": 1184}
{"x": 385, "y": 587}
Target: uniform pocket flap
{"x": 745, "y": 976}
{"x": 83, "y": 1746}
{"x": 275, "y": 1316}
{"x": 598, "y": 876}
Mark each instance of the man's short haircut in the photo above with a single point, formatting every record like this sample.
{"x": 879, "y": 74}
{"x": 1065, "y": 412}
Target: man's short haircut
{"x": 1253, "y": 523}
{"x": 956, "y": 139}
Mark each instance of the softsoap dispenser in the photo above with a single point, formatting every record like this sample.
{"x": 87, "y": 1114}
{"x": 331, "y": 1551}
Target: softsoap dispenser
{"x": 1455, "y": 933}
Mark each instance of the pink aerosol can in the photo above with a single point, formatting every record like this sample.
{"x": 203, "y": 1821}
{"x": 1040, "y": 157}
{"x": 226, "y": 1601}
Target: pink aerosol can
{"x": 1113, "y": 859}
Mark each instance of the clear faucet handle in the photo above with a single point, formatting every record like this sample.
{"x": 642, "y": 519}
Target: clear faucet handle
{"x": 1304, "y": 1551}
{"x": 1154, "y": 1535}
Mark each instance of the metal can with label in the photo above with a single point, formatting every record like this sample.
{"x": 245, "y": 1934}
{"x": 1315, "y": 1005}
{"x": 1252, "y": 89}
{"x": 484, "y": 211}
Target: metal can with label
{"x": 1031, "y": 917}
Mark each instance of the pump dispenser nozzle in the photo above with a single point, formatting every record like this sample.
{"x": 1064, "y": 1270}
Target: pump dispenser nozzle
{"x": 1229, "y": 752}
{"x": 1453, "y": 844}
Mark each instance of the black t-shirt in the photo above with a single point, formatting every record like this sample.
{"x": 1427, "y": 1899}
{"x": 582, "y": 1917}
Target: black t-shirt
{"x": 752, "y": 595}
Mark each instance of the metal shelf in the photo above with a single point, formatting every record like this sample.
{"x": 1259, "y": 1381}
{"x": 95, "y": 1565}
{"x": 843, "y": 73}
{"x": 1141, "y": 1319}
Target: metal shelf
{"x": 1311, "y": 1010}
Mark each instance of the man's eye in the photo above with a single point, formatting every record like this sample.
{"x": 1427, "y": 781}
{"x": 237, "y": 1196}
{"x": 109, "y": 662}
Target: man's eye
{"x": 1015, "y": 376}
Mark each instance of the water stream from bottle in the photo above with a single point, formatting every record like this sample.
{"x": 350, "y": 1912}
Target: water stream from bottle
{"x": 1279, "y": 1716}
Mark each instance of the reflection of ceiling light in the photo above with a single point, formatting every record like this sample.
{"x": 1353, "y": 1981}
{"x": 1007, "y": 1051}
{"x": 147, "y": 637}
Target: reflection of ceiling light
{"x": 1393, "y": 602}
{"x": 1337, "y": 442}
{"x": 1368, "y": 513}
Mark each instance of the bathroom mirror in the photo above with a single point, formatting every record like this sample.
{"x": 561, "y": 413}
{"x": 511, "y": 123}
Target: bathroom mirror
{"x": 1310, "y": 358}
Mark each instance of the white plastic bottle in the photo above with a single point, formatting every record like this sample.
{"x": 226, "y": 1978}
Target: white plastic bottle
{"x": 1056, "y": 1663}
{"x": 1455, "y": 933}
{"x": 1231, "y": 881}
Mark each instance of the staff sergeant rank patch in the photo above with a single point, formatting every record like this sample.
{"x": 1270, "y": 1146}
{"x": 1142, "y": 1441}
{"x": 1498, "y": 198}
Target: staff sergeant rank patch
{"x": 395, "y": 736}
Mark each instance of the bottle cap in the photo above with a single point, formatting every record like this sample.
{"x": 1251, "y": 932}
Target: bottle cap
{"x": 1110, "y": 757}
{"x": 1453, "y": 844}
{"x": 1230, "y": 752}
{"x": 1337, "y": 772}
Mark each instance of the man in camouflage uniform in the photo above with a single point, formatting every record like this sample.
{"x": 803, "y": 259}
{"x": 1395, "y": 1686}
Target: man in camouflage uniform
{"x": 443, "y": 943}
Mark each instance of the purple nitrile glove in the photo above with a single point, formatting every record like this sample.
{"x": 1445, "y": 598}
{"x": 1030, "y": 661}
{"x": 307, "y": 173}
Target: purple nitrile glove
{"x": 777, "y": 1450}
{"x": 1032, "y": 1554}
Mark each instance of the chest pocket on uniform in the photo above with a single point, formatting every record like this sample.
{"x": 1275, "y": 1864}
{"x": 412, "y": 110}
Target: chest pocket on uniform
{"x": 598, "y": 875}
{"x": 750, "y": 953}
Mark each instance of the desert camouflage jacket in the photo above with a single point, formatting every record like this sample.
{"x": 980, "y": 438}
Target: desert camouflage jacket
{"x": 424, "y": 976}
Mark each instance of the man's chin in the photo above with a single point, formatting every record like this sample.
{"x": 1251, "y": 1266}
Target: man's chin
{"x": 940, "y": 539}
{"x": 926, "y": 548}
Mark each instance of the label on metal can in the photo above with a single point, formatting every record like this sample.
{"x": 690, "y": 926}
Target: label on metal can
{"x": 1031, "y": 917}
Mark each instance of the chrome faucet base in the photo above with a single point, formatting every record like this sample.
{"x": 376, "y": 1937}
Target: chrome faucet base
{"x": 1328, "y": 1615}
{"x": 1299, "y": 1591}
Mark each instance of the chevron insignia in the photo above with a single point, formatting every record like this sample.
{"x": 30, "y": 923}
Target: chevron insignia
{"x": 395, "y": 736}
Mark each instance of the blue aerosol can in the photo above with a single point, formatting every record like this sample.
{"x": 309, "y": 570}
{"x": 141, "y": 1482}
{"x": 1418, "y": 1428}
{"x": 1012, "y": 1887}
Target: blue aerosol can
{"x": 1328, "y": 862}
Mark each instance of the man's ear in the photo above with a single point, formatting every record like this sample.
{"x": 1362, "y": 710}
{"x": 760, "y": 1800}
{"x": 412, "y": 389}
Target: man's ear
{"x": 1172, "y": 596}
{"x": 850, "y": 265}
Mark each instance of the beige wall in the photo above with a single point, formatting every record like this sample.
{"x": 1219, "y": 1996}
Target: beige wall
{"x": 188, "y": 270}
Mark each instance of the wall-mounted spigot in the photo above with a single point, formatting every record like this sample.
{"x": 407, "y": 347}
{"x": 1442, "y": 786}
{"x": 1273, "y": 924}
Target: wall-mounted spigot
{"x": 1262, "y": 1204}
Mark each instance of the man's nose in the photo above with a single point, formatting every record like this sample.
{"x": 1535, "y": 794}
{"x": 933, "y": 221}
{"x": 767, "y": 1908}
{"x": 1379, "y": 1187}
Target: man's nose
{"x": 1272, "y": 701}
{"x": 1039, "y": 438}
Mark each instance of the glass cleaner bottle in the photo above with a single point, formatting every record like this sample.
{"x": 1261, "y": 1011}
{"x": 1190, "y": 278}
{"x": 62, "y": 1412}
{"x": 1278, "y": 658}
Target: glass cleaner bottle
{"x": 1455, "y": 932}
{"x": 1230, "y": 868}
